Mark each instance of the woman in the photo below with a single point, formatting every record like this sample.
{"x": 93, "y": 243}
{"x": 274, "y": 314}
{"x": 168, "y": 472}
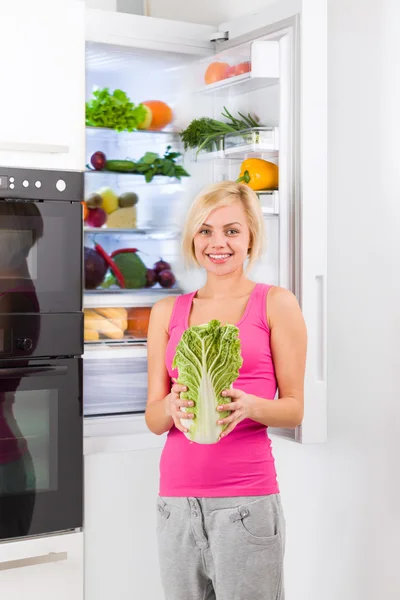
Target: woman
{"x": 221, "y": 527}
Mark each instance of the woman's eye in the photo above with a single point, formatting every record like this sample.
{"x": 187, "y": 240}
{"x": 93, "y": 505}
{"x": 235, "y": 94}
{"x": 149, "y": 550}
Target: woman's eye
{"x": 204, "y": 231}
{"x": 232, "y": 231}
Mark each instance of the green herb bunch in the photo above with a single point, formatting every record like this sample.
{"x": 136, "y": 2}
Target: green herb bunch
{"x": 152, "y": 164}
{"x": 114, "y": 111}
{"x": 201, "y": 133}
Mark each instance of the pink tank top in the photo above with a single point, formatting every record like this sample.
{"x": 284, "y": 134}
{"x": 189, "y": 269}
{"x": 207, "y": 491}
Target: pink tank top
{"x": 242, "y": 463}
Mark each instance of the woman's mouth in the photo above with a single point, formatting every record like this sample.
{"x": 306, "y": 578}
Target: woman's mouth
{"x": 219, "y": 258}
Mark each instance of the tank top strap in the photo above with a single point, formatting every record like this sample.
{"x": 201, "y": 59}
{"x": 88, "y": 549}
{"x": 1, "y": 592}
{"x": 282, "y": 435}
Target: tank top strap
{"x": 258, "y": 309}
{"x": 180, "y": 311}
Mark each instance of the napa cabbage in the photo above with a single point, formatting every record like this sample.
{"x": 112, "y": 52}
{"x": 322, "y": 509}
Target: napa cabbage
{"x": 208, "y": 359}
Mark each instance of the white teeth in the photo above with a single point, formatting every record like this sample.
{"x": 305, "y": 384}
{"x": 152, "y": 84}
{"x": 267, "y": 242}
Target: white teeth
{"x": 219, "y": 256}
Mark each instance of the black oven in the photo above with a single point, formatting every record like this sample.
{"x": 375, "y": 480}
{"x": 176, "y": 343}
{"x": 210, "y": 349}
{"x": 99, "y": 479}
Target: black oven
{"x": 41, "y": 236}
{"x": 41, "y": 347}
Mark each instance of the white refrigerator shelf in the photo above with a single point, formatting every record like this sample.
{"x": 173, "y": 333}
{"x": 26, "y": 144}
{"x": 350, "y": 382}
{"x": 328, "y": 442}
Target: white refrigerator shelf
{"x": 126, "y": 298}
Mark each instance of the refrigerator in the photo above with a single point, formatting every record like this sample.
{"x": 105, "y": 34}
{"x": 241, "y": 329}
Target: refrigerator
{"x": 277, "y": 61}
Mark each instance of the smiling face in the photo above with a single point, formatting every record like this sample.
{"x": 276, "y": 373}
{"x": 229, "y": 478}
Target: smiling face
{"x": 222, "y": 242}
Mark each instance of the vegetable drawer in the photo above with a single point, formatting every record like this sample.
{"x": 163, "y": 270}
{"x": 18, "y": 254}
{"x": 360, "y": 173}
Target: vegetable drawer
{"x": 114, "y": 380}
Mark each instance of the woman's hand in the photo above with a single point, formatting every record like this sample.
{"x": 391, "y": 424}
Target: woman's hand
{"x": 240, "y": 407}
{"x": 173, "y": 405}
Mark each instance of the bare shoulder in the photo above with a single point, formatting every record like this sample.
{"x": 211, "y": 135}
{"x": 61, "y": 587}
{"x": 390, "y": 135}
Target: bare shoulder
{"x": 161, "y": 312}
{"x": 282, "y": 304}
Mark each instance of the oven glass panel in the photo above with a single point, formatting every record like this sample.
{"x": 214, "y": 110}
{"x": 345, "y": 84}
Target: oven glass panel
{"x": 40, "y": 254}
{"x": 28, "y": 441}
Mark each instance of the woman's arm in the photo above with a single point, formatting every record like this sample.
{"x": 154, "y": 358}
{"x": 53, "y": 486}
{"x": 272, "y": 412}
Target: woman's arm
{"x": 158, "y": 379}
{"x": 289, "y": 347}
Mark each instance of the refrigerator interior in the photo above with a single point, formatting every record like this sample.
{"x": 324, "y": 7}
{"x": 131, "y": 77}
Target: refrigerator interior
{"x": 178, "y": 80}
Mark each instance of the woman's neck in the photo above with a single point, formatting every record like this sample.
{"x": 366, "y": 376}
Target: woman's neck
{"x": 226, "y": 286}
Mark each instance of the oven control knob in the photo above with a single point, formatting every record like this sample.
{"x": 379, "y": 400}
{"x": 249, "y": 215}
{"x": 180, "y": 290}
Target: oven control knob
{"x": 24, "y": 344}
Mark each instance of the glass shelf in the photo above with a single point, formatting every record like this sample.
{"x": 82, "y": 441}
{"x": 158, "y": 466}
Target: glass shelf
{"x": 111, "y": 135}
{"x": 123, "y": 298}
{"x": 135, "y": 178}
{"x": 155, "y": 234}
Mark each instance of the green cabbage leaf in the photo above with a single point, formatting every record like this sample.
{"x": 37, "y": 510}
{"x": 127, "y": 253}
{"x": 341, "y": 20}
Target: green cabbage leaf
{"x": 208, "y": 359}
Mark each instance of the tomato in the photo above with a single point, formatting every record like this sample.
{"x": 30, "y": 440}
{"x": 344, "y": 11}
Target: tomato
{"x": 243, "y": 67}
{"x": 230, "y": 72}
{"x": 215, "y": 72}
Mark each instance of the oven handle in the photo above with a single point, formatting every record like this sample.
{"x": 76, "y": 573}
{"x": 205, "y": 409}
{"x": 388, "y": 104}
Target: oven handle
{"x": 32, "y": 371}
{"x": 34, "y": 560}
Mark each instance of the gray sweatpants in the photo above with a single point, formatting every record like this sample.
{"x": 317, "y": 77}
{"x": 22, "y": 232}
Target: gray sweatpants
{"x": 221, "y": 548}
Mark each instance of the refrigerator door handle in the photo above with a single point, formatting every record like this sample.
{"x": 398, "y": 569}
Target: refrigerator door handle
{"x": 52, "y": 557}
{"x": 32, "y": 371}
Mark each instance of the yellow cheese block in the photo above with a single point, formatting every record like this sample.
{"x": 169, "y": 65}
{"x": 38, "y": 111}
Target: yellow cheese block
{"x": 123, "y": 218}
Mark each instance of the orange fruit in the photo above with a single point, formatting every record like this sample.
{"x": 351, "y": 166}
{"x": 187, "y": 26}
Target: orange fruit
{"x": 85, "y": 210}
{"x": 161, "y": 114}
{"x": 215, "y": 72}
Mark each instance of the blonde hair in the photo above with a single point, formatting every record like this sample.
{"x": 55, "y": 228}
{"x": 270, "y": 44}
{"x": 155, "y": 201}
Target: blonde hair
{"x": 220, "y": 194}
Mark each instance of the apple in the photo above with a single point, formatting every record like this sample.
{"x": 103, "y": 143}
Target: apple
{"x": 98, "y": 160}
{"x": 96, "y": 217}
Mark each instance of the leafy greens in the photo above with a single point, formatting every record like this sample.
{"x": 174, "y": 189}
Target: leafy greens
{"x": 208, "y": 359}
{"x": 114, "y": 111}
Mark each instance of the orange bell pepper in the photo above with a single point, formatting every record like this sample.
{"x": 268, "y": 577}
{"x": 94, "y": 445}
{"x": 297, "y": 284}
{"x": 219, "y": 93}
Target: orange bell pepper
{"x": 259, "y": 174}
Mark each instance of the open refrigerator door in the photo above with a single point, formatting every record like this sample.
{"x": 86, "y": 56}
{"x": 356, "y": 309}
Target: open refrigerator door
{"x": 254, "y": 78}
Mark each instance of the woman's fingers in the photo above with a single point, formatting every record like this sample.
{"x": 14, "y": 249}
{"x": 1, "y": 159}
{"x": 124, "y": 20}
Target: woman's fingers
{"x": 184, "y": 415}
{"x": 178, "y": 402}
{"x": 177, "y": 388}
{"x": 179, "y": 425}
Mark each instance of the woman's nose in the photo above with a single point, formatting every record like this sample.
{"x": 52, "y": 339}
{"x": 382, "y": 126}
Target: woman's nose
{"x": 218, "y": 240}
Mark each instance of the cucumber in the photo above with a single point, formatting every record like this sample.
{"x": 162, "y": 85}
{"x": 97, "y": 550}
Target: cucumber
{"x": 124, "y": 166}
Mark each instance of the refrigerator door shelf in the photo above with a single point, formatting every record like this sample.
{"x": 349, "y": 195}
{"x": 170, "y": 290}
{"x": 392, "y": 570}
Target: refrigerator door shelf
{"x": 244, "y": 69}
{"x": 257, "y": 139}
{"x": 117, "y": 298}
{"x": 258, "y": 142}
{"x": 269, "y": 201}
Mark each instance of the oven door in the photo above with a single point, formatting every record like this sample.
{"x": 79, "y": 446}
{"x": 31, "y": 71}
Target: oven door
{"x": 40, "y": 256}
{"x": 41, "y": 447}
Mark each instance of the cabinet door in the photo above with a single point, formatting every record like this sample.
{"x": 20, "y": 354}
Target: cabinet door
{"x": 42, "y": 104}
{"x": 121, "y": 558}
{"x": 42, "y": 568}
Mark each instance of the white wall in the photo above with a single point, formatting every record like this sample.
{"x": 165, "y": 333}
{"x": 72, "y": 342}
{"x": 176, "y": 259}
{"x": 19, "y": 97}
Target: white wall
{"x": 342, "y": 499}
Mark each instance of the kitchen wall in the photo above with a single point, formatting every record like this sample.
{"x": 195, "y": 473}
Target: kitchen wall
{"x": 342, "y": 498}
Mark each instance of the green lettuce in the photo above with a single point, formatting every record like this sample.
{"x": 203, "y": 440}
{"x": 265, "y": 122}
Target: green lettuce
{"x": 208, "y": 360}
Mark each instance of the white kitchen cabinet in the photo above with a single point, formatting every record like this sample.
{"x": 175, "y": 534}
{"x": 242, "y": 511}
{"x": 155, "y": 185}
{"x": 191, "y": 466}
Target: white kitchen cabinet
{"x": 44, "y": 568}
{"x": 42, "y": 104}
{"x": 121, "y": 486}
